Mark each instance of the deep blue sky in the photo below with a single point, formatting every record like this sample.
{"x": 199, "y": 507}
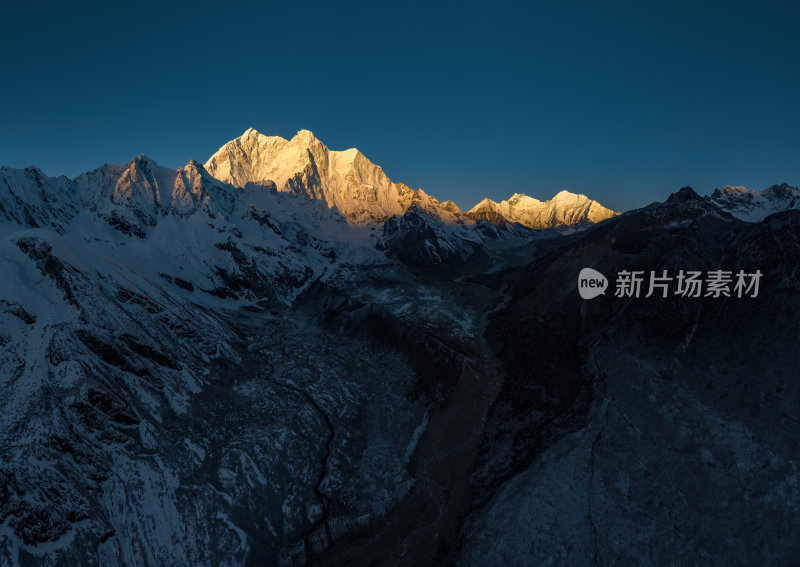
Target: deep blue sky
{"x": 623, "y": 101}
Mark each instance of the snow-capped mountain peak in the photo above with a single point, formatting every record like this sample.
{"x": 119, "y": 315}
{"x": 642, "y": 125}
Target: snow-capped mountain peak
{"x": 142, "y": 181}
{"x": 451, "y": 207}
{"x": 754, "y": 206}
{"x": 360, "y": 190}
{"x": 734, "y": 190}
{"x": 148, "y": 190}
{"x": 522, "y": 198}
{"x": 345, "y": 180}
{"x": 256, "y": 158}
{"x": 565, "y": 208}
{"x": 565, "y": 195}
{"x": 29, "y": 198}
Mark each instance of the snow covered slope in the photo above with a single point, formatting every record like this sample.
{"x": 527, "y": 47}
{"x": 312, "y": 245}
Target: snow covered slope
{"x": 564, "y": 209}
{"x": 753, "y": 206}
{"x": 184, "y": 225}
{"x": 160, "y": 406}
{"x": 146, "y": 419}
{"x": 29, "y": 198}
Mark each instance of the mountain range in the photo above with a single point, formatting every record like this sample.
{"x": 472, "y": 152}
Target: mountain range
{"x": 347, "y": 182}
{"x": 564, "y": 209}
{"x": 350, "y": 183}
{"x": 282, "y": 357}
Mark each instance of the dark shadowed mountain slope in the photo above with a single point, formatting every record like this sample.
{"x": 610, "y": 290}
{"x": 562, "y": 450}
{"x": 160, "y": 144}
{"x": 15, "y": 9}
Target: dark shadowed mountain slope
{"x": 647, "y": 431}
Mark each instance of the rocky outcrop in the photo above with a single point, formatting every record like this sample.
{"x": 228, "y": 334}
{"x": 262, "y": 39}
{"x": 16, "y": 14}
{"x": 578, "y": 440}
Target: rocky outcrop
{"x": 419, "y": 240}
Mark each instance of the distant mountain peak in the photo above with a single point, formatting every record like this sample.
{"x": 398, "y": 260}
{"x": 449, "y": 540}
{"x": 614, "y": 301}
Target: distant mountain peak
{"x": 253, "y": 134}
{"x": 522, "y": 199}
{"x": 565, "y": 195}
{"x": 735, "y": 189}
{"x": 484, "y": 203}
{"x": 684, "y": 194}
{"x": 782, "y": 191}
{"x": 450, "y": 206}
{"x": 306, "y": 134}
{"x": 753, "y": 206}
{"x": 565, "y": 208}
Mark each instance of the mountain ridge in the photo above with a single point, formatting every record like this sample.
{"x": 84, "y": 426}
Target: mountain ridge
{"x": 564, "y": 208}
{"x": 754, "y": 206}
{"x": 344, "y": 180}
{"x": 360, "y": 189}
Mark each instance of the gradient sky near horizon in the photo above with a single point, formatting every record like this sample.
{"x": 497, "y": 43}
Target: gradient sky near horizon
{"x": 622, "y": 101}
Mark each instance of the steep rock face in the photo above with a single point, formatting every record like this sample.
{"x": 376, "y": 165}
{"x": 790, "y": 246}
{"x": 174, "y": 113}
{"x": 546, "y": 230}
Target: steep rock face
{"x": 196, "y": 189}
{"x": 94, "y": 187}
{"x": 417, "y": 239}
{"x": 508, "y": 231}
{"x": 142, "y": 187}
{"x": 150, "y": 191}
{"x": 644, "y": 431}
{"x": 754, "y": 206}
{"x": 487, "y": 210}
{"x": 345, "y": 180}
{"x": 29, "y": 198}
{"x": 564, "y": 209}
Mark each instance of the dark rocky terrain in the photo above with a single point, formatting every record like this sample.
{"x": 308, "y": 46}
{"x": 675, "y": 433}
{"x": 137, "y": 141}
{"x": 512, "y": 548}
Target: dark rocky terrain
{"x": 197, "y": 374}
{"x": 646, "y": 431}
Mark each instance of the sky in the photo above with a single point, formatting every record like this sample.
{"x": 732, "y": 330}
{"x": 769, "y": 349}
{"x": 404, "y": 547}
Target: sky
{"x": 624, "y": 102}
